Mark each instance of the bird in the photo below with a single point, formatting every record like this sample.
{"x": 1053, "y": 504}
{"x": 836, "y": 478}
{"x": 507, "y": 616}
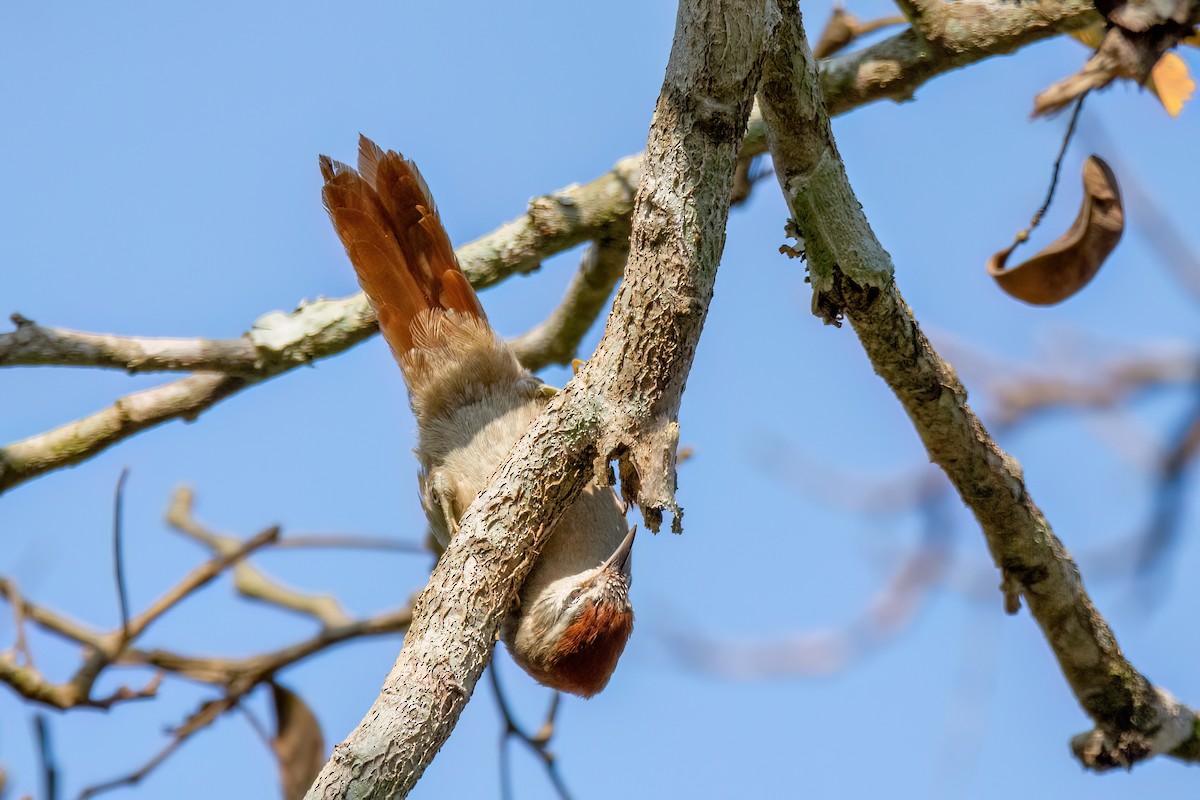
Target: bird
{"x": 472, "y": 401}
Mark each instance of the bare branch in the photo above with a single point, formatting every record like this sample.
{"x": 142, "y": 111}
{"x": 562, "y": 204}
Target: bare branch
{"x": 538, "y": 743}
{"x": 842, "y": 28}
{"x": 80, "y": 440}
{"x": 29, "y": 683}
{"x": 119, "y": 556}
{"x": 41, "y": 727}
{"x": 829, "y": 650}
{"x": 250, "y": 581}
{"x": 1100, "y": 385}
{"x": 34, "y": 345}
{"x": 111, "y": 648}
{"x": 20, "y": 646}
{"x": 199, "y": 578}
{"x": 104, "y": 649}
{"x": 340, "y": 541}
{"x": 59, "y": 624}
{"x": 278, "y": 342}
{"x": 112, "y": 645}
{"x": 853, "y": 274}
{"x": 556, "y": 339}
{"x": 249, "y": 671}
{"x": 200, "y": 719}
{"x": 952, "y": 35}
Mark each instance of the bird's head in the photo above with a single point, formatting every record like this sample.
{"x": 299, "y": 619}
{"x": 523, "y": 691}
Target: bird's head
{"x": 572, "y": 636}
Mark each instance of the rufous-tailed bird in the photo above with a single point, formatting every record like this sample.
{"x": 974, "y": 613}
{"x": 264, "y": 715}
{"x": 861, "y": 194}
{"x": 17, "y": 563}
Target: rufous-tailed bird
{"x": 472, "y": 401}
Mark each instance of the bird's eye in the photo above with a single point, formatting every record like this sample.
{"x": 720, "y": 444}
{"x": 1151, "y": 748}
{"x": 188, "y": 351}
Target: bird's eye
{"x": 573, "y": 597}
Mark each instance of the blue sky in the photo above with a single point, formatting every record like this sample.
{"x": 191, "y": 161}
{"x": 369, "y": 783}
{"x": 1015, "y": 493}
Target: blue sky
{"x": 163, "y": 181}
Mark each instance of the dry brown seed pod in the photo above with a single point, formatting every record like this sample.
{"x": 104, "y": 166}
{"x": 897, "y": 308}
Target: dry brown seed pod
{"x": 1072, "y": 260}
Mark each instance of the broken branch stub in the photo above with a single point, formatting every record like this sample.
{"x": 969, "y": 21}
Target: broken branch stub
{"x": 1070, "y": 262}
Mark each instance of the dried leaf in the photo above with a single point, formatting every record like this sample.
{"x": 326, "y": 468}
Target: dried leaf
{"x": 298, "y": 743}
{"x": 1171, "y": 83}
{"x": 1071, "y": 261}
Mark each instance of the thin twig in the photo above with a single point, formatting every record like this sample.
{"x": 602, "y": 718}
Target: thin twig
{"x": 1170, "y": 495}
{"x": 538, "y": 743}
{"x": 45, "y": 745}
{"x": 1096, "y": 384}
{"x": 843, "y": 28}
{"x": 257, "y": 726}
{"x": 506, "y": 789}
{"x": 118, "y": 556}
{"x": 20, "y": 647}
{"x": 889, "y": 612}
{"x": 84, "y": 438}
{"x": 197, "y": 579}
{"x": 253, "y": 669}
{"x": 1023, "y": 236}
{"x": 347, "y": 542}
{"x": 51, "y": 621}
{"x": 250, "y": 581}
{"x": 197, "y": 721}
{"x": 112, "y": 646}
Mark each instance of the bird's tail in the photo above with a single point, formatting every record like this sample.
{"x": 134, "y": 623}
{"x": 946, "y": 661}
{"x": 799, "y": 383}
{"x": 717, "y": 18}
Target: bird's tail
{"x": 428, "y": 312}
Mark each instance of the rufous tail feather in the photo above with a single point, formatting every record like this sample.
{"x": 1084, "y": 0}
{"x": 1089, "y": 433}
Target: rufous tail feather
{"x": 385, "y": 216}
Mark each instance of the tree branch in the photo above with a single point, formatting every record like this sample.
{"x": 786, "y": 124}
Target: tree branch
{"x": 556, "y": 339}
{"x": 80, "y": 440}
{"x": 34, "y": 345}
{"x": 952, "y": 35}
{"x": 1099, "y": 385}
{"x": 616, "y": 406}
{"x": 250, "y": 581}
{"x": 279, "y": 342}
{"x": 234, "y": 676}
{"x": 853, "y": 274}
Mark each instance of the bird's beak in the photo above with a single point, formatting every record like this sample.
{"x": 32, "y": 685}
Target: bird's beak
{"x": 621, "y": 561}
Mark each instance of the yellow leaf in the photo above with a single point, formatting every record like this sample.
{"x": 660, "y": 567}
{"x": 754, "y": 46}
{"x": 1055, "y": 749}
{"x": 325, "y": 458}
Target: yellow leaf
{"x": 1171, "y": 83}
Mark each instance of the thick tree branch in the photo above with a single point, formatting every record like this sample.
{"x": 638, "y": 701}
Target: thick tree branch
{"x": 623, "y": 401}
{"x": 853, "y": 274}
